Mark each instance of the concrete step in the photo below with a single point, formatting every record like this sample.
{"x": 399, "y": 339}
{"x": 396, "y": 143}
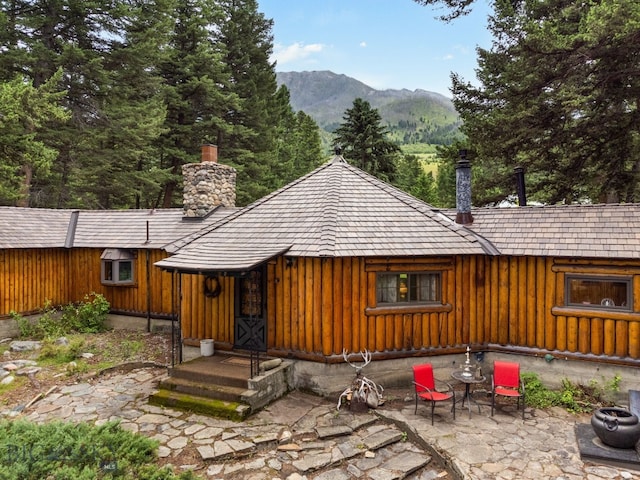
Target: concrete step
{"x": 212, "y": 389}
{"x": 194, "y": 372}
{"x": 383, "y": 438}
{"x": 227, "y": 378}
{"x": 235, "y": 411}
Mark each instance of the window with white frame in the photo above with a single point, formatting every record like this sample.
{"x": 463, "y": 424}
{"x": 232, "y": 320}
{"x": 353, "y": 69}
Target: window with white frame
{"x": 408, "y": 288}
{"x": 598, "y": 292}
{"x": 117, "y": 267}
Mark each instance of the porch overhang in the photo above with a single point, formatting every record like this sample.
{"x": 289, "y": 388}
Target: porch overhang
{"x": 221, "y": 259}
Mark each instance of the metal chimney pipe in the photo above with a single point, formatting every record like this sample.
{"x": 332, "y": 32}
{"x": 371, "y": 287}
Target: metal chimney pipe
{"x": 522, "y": 195}
{"x": 463, "y": 190}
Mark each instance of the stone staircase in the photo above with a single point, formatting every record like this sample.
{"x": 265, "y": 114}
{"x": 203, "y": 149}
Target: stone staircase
{"x": 220, "y": 386}
{"x": 331, "y": 445}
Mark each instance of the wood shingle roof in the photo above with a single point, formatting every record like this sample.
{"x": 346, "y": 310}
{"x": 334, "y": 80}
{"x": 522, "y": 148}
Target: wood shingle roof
{"x": 128, "y": 228}
{"x": 51, "y": 228}
{"x": 33, "y": 227}
{"x": 595, "y": 231}
{"x": 335, "y": 211}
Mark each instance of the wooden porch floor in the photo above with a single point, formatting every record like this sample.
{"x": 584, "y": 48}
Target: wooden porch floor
{"x": 236, "y": 369}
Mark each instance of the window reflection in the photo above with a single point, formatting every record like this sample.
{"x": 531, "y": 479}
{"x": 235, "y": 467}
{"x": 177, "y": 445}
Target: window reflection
{"x": 599, "y": 292}
{"x": 408, "y": 288}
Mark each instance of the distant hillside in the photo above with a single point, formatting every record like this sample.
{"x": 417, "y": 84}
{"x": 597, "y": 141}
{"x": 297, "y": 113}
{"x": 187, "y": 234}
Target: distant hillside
{"x": 415, "y": 116}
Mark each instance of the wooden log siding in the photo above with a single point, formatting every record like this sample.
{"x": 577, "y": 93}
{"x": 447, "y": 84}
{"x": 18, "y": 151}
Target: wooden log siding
{"x": 317, "y": 307}
{"x": 86, "y": 265}
{"x": 206, "y": 317}
{"x": 31, "y": 278}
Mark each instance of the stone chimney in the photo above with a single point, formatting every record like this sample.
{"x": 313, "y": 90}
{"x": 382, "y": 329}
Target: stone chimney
{"x": 463, "y": 190}
{"x": 207, "y": 184}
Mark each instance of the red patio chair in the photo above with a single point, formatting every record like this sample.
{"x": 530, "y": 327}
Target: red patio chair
{"x": 506, "y": 381}
{"x": 426, "y": 390}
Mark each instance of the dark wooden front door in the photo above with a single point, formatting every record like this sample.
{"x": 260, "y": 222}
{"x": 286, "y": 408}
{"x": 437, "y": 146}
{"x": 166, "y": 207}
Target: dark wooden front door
{"x": 250, "y": 331}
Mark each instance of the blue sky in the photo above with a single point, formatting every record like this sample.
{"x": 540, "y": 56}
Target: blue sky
{"x": 383, "y": 43}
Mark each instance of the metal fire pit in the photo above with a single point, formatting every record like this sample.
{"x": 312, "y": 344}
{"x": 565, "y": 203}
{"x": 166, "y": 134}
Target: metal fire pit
{"x": 616, "y": 427}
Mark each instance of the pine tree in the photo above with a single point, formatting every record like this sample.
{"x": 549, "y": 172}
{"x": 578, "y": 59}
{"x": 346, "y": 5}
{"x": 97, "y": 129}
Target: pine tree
{"x": 119, "y": 165}
{"x": 42, "y": 37}
{"x": 298, "y": 144}
{"x": 23, "y": 109}
{"x": 91, "y": 43}
{"x": 457, "y": 8}
{"x": 413, "y": 179}
{"x": 146, "y": 83}
{"x": 196, "y": 90}
{"x": 446, "y": 179}
{"x": 558, "y": 96}
{"x": 250, "y": 146}
{"x": 363, "y": 141}
{"x": 308, "y": 151}
{"x": 285, "y": 148}
{"x": 425, "y": 188}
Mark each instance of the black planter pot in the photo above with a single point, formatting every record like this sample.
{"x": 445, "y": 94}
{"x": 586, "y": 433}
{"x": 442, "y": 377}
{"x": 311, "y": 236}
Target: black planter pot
{"x": 616, "y": 427}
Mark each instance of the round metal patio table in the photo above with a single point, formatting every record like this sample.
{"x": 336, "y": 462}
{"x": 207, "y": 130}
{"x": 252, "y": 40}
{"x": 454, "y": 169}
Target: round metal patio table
{"x": 468, "y": 378}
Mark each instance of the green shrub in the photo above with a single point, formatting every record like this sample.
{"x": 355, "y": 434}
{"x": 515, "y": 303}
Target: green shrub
{"x": 129, "y": 348}
{"x": 604, "y": 394}
{"x": 58, "y": 451}
{"x": 537, "y": 395}
{"x": 26, "y": 327}
{"x": 51, "y": 324}
{"x": 60, "y": 354}
{"x": 573, "y": 397}
{"x": 87, "y": 316}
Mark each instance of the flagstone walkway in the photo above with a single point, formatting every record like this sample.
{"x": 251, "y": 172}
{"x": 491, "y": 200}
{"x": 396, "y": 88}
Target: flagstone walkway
{"x": 303, "y": 437}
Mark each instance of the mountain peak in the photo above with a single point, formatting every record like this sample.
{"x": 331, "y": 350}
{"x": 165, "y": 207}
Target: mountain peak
{"x": 411, "y": 116}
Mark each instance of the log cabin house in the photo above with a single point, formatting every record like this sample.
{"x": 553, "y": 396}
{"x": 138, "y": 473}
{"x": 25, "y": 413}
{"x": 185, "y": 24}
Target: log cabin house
{"x": 338, "y": 260}
{"x": 58, "y": 256}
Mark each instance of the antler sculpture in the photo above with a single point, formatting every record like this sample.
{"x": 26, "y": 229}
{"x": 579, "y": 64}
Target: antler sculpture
{"x": 366, "y": 357}
{"x": 362, "y": 389}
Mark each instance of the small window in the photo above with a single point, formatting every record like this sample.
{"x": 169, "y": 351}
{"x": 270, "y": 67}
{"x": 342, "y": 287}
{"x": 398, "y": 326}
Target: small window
{"x": 117, "y": 267}
{"x": 599, "y": 292}
{"x": 401, "y": 288}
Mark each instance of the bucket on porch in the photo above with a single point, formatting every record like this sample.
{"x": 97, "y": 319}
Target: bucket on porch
{"x": 206, "y": 347}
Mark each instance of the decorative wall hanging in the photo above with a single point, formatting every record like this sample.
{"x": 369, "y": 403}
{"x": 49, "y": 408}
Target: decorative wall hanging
{"x": 212, "y": 286}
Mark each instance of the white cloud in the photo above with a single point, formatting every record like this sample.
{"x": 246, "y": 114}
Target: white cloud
{"x": 457, "y": 51}
{"x": 296, "y": 51}
{"x": 363, "y": 44}
{"x": 463, "y": 49}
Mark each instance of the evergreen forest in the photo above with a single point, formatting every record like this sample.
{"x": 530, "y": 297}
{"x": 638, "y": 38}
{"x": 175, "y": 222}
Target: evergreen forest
{"x": 101, "y": 103}
{"x": 558, "y": 95}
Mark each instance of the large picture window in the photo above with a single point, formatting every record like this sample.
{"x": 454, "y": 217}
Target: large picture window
{"x": 117, "y": 267}
{"x": 599, "y": 292}
{"x": 411, "y": 288}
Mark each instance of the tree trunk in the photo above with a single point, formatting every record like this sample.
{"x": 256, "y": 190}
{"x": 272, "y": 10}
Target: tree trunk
{"x": 27, "y": 172}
